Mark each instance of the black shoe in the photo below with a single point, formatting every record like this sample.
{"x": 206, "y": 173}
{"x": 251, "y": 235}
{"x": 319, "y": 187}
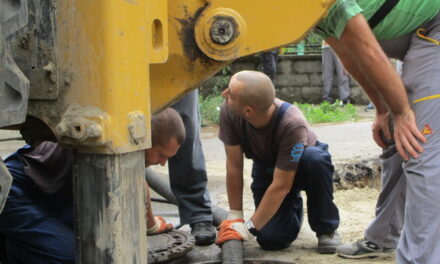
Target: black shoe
{"x": 203, "y": 232}
{"x": 345, "y": 101}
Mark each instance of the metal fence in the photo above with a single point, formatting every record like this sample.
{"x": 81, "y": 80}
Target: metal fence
{"x": 301, "y": 49}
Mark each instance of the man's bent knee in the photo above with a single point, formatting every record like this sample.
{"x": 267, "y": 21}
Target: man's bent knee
{"x": 276, "y": 241}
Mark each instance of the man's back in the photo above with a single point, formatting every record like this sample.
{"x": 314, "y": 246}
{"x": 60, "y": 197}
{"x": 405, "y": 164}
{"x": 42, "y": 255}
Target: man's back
{"x": 291, "y": 130}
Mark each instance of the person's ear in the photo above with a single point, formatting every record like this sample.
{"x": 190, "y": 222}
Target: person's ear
{"x": 249, "y": 111}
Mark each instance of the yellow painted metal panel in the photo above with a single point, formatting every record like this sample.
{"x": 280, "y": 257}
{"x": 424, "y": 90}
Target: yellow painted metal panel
{"x": 264, "y": 25}
{"x": 105, "y": 47}
{"x": 187, "y": 65}
{"x": 260, "y": 25}
{"x": 158, "y": 22}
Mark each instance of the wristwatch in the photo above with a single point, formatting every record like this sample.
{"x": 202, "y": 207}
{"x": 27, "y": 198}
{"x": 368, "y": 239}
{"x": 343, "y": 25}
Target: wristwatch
{"x": 250, "y": 227}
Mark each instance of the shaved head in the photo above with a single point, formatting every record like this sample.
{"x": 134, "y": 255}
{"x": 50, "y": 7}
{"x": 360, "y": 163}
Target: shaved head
{"x": 254, "y": 89}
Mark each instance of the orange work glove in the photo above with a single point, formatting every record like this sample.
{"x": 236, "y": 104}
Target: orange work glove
{"x": 161, "y": 226}
{"x": 232, "y": 230}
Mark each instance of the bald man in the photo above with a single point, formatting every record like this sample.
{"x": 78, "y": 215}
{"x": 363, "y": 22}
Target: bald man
{"x": 287, "y": 158}
{"x": 37, "y": 221}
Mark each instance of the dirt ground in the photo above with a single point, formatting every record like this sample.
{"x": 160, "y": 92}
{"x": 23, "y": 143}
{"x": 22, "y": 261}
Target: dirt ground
{"x": 348, "y": 142}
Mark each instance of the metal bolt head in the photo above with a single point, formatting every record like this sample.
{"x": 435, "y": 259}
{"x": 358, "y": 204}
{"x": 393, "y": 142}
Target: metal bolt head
{"x": 222, "y": 31}
{"x": 94, "y": 131}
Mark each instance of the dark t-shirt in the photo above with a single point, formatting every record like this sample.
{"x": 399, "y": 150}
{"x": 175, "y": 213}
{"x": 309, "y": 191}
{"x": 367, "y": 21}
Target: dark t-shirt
{"x": 291, "y": 137}
{"x": 48, "y": 166}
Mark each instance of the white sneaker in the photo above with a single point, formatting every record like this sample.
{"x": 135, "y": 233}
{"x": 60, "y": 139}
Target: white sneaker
{"x": 327, "y": 243}
{"x": 363, "y": 249}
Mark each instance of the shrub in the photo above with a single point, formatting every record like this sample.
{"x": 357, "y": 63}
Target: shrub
{"x": 210, "y": 109}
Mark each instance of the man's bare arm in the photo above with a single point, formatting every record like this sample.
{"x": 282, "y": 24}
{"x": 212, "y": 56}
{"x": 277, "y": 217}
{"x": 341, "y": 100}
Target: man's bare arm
{"x": 273, "y": 197}
{"x": 234, "y": 176}
{"x": 360, "y": 44}
{"x": 352, "y": 66}
{"x": 350, "y": 63}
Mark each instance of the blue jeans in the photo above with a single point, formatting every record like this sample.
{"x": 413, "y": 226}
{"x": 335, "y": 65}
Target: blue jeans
{"x": 188, "y": 178}
{"x": 315, "y": 177}
{"x": 36, "y": 227}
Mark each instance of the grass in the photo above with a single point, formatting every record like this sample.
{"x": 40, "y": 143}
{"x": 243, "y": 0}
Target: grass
{"x": 326, "y": 113}
{"x": 323, "y": 113}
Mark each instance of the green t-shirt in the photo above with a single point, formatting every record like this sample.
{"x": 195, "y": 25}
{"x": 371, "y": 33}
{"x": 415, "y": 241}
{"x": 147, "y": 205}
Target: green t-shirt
{"x": 404, "y": 18}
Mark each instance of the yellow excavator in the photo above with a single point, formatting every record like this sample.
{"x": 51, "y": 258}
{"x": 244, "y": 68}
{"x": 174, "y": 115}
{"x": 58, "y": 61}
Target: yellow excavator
{"x": 89, "y": 74}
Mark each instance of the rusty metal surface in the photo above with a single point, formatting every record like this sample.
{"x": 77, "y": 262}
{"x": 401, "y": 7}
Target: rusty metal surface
{"x": 168, "y": 246}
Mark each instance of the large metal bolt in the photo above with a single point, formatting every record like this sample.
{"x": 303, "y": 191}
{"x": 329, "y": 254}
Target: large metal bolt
{"x": 94, "y": 131}
{"x": 81, "y": 131}
{"x": 222, "y": 31}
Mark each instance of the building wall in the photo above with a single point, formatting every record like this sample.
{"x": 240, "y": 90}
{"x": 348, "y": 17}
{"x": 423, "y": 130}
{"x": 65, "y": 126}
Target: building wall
{"x": 298, "y": 79}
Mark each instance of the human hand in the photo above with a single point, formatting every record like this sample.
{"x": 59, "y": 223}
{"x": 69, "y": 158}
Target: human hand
{"x": 161, "y": 226}
{"x": 407, "y": 136}
{"x": 381, "y": 130}
{"x": 233, "y": 230}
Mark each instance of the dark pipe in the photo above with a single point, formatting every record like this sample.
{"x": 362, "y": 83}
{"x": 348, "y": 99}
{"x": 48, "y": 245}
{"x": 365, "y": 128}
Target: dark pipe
{"x": 160, "y": 200}
{"x": 232, "y": 251}
{"x": 163, "y": 189}
{"x": 160, "y": 186}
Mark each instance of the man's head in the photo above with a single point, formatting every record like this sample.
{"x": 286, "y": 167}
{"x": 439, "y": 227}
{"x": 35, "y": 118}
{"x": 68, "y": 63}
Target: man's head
{"x": 249, "y": 93}
{"x": 168, "y": 134}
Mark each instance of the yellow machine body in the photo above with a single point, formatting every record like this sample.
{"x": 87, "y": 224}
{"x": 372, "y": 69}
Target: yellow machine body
{"x": 119, "y": 61}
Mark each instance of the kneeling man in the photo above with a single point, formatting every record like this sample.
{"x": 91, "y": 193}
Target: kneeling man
{"x": 287, "y": 158}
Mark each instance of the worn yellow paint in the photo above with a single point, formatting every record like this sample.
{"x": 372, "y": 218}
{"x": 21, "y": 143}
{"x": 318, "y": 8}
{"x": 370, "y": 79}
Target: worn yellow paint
{"x": 125, "y": 56}
{"x": 263, "y": 25}
{"x": 105, "y": 47}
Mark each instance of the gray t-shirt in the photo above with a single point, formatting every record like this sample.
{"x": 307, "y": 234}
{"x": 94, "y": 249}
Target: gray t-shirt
{"x": 291, "y": 137}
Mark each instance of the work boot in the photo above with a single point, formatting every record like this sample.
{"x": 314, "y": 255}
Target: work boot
{"x": 327, "y": 243}
{"x": 203, "y": 232}
{"x": 363, "y": 249}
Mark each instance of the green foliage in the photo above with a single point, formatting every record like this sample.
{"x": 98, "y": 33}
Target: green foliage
{"x": 210, "y": 105}
{"x": 210, "y": 109}
{"x": 326, "y": 112}
{"x": 312, "y": 44}
{"x": 222, "y": 81}
{"x": 313, "y": 39}
{"x": 323, "y": 113}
